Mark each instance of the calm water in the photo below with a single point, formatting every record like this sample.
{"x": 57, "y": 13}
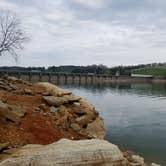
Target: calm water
{"x": 134, "y": 115}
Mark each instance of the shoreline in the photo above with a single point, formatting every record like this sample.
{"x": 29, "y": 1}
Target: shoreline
{"x": 46, "y": 97}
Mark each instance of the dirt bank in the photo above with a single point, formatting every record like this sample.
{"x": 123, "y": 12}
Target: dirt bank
{"x": 41, "y": 122}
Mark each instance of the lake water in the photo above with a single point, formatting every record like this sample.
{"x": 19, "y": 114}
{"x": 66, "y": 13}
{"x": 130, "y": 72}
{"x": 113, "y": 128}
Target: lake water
{"x": 134, "y": 115}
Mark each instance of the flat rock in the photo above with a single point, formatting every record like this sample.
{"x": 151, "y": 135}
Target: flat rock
{"x": 76, "y": 104}
{"x": 54, "y": 90}
{"x": 11, "y": 78}
{"x": 54, "y": 101}
{"x": 69, "y": 153}
{"x": 72, "y": 98}
{"x": 5, "y": 86}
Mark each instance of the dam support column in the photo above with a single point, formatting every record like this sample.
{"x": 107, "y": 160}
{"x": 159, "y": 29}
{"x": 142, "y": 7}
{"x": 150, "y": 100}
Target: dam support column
{"x": 49, "y": 77}
{"x": 86, "y": 79}
{"x": 30, "y": 76}
{"x": 65, "y": 78}
{"x": 73, "y": 78}
{"x": 58, "y": 78}
{"x": 79, "y": 81}
{"x": 40, "y": 77}
{"x": 92, "y": 79}
{"x": 19, "y": 75}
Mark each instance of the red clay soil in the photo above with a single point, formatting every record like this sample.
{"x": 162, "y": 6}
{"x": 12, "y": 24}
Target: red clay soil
{"x": 35, "y": 127}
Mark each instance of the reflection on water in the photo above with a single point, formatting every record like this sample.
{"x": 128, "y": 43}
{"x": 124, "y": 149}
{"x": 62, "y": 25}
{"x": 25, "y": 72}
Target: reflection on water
{"x": 134, "y": 115}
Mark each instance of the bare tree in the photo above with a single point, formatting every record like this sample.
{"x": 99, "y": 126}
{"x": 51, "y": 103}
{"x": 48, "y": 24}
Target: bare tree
{"x": 12, "y": 36}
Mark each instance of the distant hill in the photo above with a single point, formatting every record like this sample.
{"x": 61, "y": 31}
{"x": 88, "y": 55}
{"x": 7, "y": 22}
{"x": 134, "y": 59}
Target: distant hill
{"x": 155, "y": 71}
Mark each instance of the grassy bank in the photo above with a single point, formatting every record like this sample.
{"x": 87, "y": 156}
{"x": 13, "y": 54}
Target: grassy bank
{"x": 155, "y": 71}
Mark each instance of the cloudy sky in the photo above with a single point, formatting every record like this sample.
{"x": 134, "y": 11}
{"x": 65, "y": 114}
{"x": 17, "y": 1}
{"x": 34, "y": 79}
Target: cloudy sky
{"x": 83, "y": 32}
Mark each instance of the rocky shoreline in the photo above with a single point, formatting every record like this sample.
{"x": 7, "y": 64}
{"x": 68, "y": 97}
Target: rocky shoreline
{"x": 42, "y": 124}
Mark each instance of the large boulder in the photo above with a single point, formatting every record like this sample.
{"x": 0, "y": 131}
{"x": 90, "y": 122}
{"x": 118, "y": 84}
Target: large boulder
{"x": 69, "y": 153}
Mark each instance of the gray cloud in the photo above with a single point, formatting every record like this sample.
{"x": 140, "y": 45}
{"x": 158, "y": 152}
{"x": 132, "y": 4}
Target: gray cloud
{"x": 93, "y": 4}
{"x": 82, "y": 32}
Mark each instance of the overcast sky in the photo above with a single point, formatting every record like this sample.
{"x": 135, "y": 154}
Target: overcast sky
{"x": 83, "y": 32}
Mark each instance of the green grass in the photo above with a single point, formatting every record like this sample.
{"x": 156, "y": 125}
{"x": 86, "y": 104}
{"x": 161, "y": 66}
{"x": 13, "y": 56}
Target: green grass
{"x": 155, "y": 71}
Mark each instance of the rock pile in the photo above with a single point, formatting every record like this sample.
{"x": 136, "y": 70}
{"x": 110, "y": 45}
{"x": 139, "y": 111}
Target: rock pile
{"x": 9, "y": 83}
{"x": 73, "y": 112}
{"x": 43, "y": 113}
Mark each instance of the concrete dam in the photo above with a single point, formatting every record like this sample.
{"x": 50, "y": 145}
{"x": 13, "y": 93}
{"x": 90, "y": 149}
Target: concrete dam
{"x": 78, "y": 78}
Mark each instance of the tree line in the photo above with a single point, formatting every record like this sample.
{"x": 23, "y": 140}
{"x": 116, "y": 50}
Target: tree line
{"x": 93, "y": 69}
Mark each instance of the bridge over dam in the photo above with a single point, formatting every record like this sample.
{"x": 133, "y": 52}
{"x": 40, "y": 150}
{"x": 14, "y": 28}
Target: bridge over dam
{"x": 79, "y": 78}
